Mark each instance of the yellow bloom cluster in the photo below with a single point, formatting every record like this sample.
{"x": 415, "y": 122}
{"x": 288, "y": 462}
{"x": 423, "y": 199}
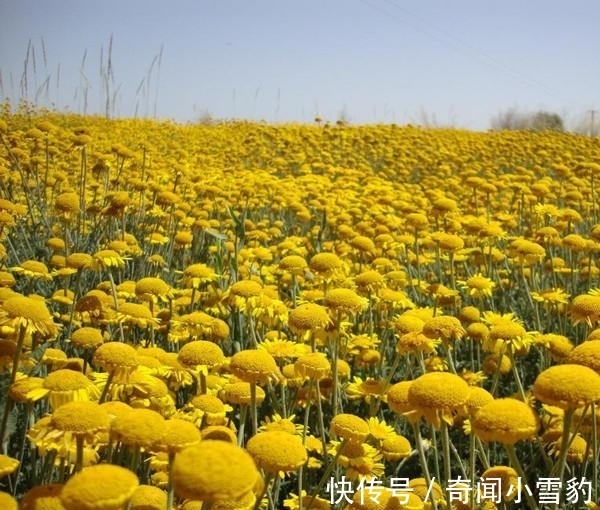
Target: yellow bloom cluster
{"x": 202, "y": 314}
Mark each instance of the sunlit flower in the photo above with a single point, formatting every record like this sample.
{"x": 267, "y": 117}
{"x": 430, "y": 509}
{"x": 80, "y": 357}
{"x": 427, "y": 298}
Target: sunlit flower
{"x": 567, "y": 386}
{"x": 585, "y": 308}
{"x": 65, "y": 385}
{"x": 28, "y": 313}
{"x": 107, "y": 259}
{"x": 349, "y": 427}
{"x": 478, "y": 286}
{"x": 505, "y": 421}
{"x": 437, "y": 396}
{"x": 254, "y": 365}
{"x": 369, "y": 389}
{"x": 104, "y": 486}
{"x": 33, "y": 269}
{"x": 277, "y": 451}
{"x": 213, "y": 471}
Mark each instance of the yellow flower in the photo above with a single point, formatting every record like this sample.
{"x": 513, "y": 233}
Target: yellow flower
{"x": 507, "y": 334}
{"x": 135, "y": 314}
{"x": 239, "y": 393}
{"x": 397, "y": 397}
{"x": 478, "y": 397}
{"x": 79, "y": 260}
{"x": 176, "y": 435}
{"x": 42, "y": 497}
{"x": 239, "y": 294}
{"x": 8, "y": 465}
{"x": 370, "y": 389}
{"x": 254, "y": 365}
{"x": 314, "y": 365}
{"x": 567, "y": 386}
{"x": 349, "y": 427}
{"x": 139, "y": 428}
{"x": 116, "y": 357}
{"x": 379, "y": 429}
{"x": 198, "y": 353}
{"x": 478, "y": 286}
{"x": 359, "y": 459}
{"x": 148, "y": 497}
{"x": 219, "y": 433}
{"x": 295, "y": 264}
{"x": 82, "y": 418}
{"x": 325, "y": 264}
{"x": 196, "y": 275}
{"x": 7, "y": 502}
{"x": 505, "y": 421}
{"x": 282, "y": 424}
{"x": 100, "y": 487}
{"x": 67, "y": 203}
{"x": 153, "y": 289}
{"x": 87, "y": 337}
{"x": 277, "y": 451}
{"x": 65, "y": 385}
{"x": 210, "y": 409}
{"x": 29, "y": 313}
{"x": 586, "y": 354}
{"x": 585, "y": 308}
{"x": 308, "y": 317}
{"x": 345, "y": 301}
{"x": 213, "y": 471}
{"x": 395, "y": 447}
{"x": 282, "y": 349}
{"x": 443, "y": 327}
{"x": 293, "y": 501}
{"x": 559, "y": 346}
{"x": 107, "y": 259}
{"x": 505, "y": 477}
{"x": 33, "y": 269}
{"x": 27, "y": 389}
{"x": 577, "y": 452}
{"x": 427, "y": 492}
{"x": 437, "y": 396}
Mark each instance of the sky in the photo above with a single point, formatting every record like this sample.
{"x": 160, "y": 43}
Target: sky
{"x": 436, "y": 62}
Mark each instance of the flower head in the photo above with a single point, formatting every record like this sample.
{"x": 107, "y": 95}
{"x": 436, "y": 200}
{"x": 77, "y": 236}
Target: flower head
{"x": 29, "y": 313}
{"x": 213, "y": 470}
{"x": 349, "y": 427}
{"x": 505, "y": 421}
{"x": 255, "y": 366}
{"x": 66, "y": 385}
{"x": 437, "y": 396}
{"x": 586, "y": 354}
{"x": 345, "y": 300}
{"x": 100, "y": 487}
{"x": 308, "y": 317}
{"x": 43, "y": 497}
{"x": 277, "y": 451}
{"x": 567, "y": 386}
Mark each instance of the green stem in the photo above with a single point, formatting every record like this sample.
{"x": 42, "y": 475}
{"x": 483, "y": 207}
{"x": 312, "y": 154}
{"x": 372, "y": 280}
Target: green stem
{"x": 79, "y": 453}
{"x": 446, "y": 450}
{"x": 111, "y": 374}
{"x": 8, "y": 403}
{"x": 253, "y": 407}
{"x": 170, "y": 491}
{"x": 512, "y": 455}
{"x": 243, "y": 413}
{"x": 268, "y": 479}
{"x": 326, "y": 474}
{"x": 320, "y": 416}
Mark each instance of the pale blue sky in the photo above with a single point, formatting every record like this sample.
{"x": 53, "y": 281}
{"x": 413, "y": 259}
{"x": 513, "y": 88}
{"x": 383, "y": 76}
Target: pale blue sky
{"x": 453, "y": 61}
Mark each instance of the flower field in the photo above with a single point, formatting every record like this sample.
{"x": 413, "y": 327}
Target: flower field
{"x": 251, "y": 316}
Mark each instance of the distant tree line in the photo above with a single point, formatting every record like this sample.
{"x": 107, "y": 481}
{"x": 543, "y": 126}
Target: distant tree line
{"x": 535, "y": 121}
